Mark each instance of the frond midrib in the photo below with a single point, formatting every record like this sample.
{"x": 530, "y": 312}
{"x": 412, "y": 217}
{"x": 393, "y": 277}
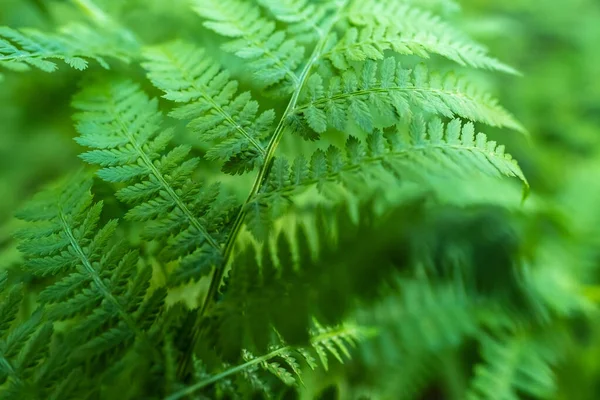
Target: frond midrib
{"x": 106, "y": 293}
{"x": 322, "y": 337}
{"x": 24, "y": 56}
{"x": 397, "y": 154}
{"x": 440, "y": 92}
{"x": 260, "y": 180}
{"x": 178, "y": 202}
{"x": 203, "y": 90}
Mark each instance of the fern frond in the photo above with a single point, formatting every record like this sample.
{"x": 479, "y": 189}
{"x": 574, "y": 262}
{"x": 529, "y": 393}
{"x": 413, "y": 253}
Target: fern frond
{"x": 271, "y": 274}
{"x": 10, "y": 306}
{"x": 98, "y": 289}
{"x": 273, "y": 58}
{"x": 92, "y": 269}
{"x": 389, "y": 24}
{"x": 74, "y": 44}
{"x": 424, "y": 317}
{"x": 22, "y": 351}
{"x": 122, "y": 125}
{"x": 24, "y": 345}
{"x": 428, "y": 153}
{"x": 229, "y": 121}
{"x": 391, "y": 92}
{"x": 514, "y": 366}
{"x": 281, "y": 360}
{"x": 417, "y": 320}
{"x": 304, "y": 17}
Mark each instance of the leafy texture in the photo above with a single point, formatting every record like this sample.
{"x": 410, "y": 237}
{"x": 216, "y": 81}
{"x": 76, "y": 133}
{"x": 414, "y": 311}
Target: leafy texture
{"x": 305, "y": 18}
{"x": 24, "y": 349}
{"x": 406, "y": 29}
{"x": 229, "y": 121}
{"x": 273, "y": 58}
{"x": 427, "y": 154}
{"x": 22, "y": 346}
{"x": 516, "y": 366}
{"x": 97, "y": 286}
{"x": 283, "y": 362}
{"x": 392, "y": 92}
{"x": 271, "y": 275}
{"x": 122, "y": 125}
{"x": 198, "y": 262}
{"x": 75, "y": 44}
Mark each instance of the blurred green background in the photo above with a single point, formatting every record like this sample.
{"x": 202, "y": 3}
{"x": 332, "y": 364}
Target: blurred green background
{"x": 554, "y": 44}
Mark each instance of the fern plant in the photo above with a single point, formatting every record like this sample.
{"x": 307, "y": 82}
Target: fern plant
{"x": 311, "y": 178}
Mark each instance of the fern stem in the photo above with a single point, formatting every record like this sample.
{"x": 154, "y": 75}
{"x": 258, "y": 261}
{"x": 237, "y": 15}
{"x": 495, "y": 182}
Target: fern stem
{"x": 231, "y": 371}
{"x": 259, "y": 181}
{"x": 269, "y": 158}
{"x": 323, "y": 337}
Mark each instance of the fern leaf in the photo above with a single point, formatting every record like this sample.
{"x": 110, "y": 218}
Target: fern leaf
{"x": 304, "y": 18}
{"x": 388, "y": 24}
{"x": 74, "y": 44}
{"x": 392, "y": 93}
{"x": 422, "y": 317}
{"x": 335, "y": 342}
{"x": 269, "y": 273}
{"x": 427, "y": 153}
{"x": 23, "y": 345}
{"x": 273, "y": 58}
{"x": 92, "y": 272}
{"x": 320, "y": 341}
{"x": 159, "y": 187}
{"x": 22, "y": 351}
{"x": 9, "y": 308}
{"x": 513, "y": 366}
{"x": 239, "y": 135}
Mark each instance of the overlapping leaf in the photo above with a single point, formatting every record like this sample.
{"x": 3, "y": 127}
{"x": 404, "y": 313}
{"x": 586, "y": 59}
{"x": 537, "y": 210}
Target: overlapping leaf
{"x": 381, "y": 94}
{"x": 228, "y": 121}
{"x": 273, "y": 57}
{"x": 122, "y": 126}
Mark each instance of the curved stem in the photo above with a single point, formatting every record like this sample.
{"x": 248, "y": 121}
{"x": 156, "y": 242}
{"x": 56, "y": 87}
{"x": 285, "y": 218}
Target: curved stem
{"x": 259, "y": 182}
{"x": 316, "y": 340}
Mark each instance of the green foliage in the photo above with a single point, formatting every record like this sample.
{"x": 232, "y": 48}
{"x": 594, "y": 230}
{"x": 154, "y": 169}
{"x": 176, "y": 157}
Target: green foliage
{"x": 22, "y": 49}
{"x": 517, "y": 365}
{"x": 406, "y": 30}
{"x": 98, "y": 287}
{"x": 122, "y": 125}
{"x": 230, "y": 124}
{"x": 394, "y": 92}
{"x": 282, "y": 361}
{"x": 273, "y": 58}
{"x": 312, "y": 185}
